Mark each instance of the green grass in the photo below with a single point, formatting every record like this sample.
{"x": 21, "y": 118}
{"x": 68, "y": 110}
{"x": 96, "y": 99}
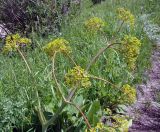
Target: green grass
{"x": 15, "y": 81}
{"x": 152, "y": 7}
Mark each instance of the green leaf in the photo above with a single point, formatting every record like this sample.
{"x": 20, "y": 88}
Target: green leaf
{"x": 49, "y": 107}
{"x": 71, "y": 109}
{"x": 78, "y": 100}
{"x": 92, "y": 112}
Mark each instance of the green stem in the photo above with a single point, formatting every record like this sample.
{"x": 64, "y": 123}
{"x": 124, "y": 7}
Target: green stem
{"x": 118, "y": 30}
{"x": 54, "y": 75}
{"x": 104, "y": 48}
{"x": 101, "y": 51}
{"x": 71, "y": 59}
{"x": 69, "y": 98}
{"x": 85, "y": 118}
{"x": 104, "y": 80}
{"x": 44, "y": 128}
{"x": 24, "y": 59}
{"x": 40, "y": 113}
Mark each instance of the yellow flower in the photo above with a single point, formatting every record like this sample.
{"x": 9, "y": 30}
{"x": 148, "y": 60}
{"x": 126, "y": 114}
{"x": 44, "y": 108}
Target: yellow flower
{"x": 121, "y": 123}
{"x": 109, "y": 129}
{"x": 126, "y": 16}
{"x": 24, "y": 41}
{"x": 130, "y": 49}
{"x": 57, "y": 45}
{"x": 77, "y": 75}
{"x": 100, "y": 126}
{"x": 92, "y": 130}
{"x": 108, "y": 111}
{"x": 14, "y": 41}
{"x": 94, "y": 24}
{"x": 129, "y": 94}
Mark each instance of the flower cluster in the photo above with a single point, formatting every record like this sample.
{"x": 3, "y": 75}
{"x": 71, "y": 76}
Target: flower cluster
{"x": 77, "y": 75}
{"x": 126, "y": 16}
{"x": 14, "y": 41}
{"x": 118, "y": 123}
{"x": 130, "y": 49}
{"x": 129, "y": 94}
{"x": 112, "y": 123}
{"x": 100, "y": 127}
{"x": 94, "y": 24}
{"x": 108, "y": 111}
{"x": 57, "y": 45}
{"x": 121, "y": 123}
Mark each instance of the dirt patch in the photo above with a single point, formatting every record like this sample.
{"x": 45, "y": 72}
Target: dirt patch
{"x": 146, "y": 111}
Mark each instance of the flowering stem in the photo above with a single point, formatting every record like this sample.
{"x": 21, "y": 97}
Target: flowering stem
{"x": 54, "y": 75}
{"x": 85, "y": 118}
{"x": 118, "y": 30}
{"x": 120, "y": 27}
{"x": 40, "y": 113}
{"x": 50, "y": 121}
{"x": 98, "y": 54}
{"x": 105, "y": 48}
{"x": 29, "y": 69}
{"x": 104, "y": 80}
{"x": 71, "y": 59}
{"x": 24, "y": 59}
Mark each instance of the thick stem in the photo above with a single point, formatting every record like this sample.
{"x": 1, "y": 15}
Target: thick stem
{"x": 49, "y": 122}
{"x": 44, "y": 128}
{"x": 71, "y": 59}
{"x": 65, "y": 100}
{"x": 24, "y": 59}
{"x": 40, "y": 113}
{"x": 41, "y": 116}
{"x": 98, "y": 54}
{"x": 72, "y": 93}
{"x": 69, "y": 98}
{"x": 54, "y": 76}
{"x": 85, "y": 118}
{"x": 118, "y": 30}
{"x": 104, "y": 80}
{"x": 106, "y": 47}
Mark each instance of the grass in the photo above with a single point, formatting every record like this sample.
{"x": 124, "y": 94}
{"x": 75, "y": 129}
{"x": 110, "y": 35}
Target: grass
{"x": 152, "y": 7}
{"x": 15, "y": 81}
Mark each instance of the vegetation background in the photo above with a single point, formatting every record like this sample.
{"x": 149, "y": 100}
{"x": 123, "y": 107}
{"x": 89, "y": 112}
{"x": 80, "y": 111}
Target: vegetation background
{"x": 44, "y": 21}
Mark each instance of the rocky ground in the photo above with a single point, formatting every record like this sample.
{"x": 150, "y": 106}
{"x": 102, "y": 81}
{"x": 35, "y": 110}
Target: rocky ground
{"x": 146, "y": 111}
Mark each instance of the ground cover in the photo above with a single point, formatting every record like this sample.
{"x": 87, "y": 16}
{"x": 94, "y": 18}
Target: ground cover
{"x": 111, "y": 73}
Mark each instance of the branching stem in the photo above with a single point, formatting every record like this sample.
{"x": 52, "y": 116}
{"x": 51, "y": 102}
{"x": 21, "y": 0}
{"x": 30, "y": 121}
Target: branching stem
{"x": 54, "y": 75}
{"x": 40, "y": 113}
{"x": 101, "y": 51}
{"x": 85, "y": 118}
{"x": 71, "y": 59}
{"x": 102, "y": 79}
{"x": 118, "y": 30}
{"x": 69, "y": 98}
{"x": 24, "y": 59}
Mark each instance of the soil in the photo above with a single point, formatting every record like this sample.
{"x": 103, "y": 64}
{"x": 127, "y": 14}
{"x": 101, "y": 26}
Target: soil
{"x": 146, "y": 111}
